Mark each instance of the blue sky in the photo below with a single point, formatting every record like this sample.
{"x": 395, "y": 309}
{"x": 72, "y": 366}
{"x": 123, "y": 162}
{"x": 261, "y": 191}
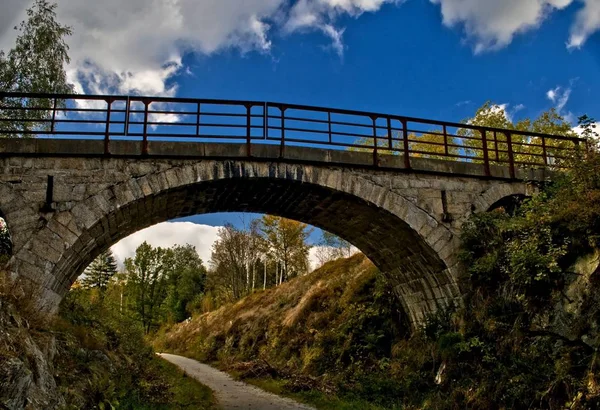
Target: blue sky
{"x": 438, "y": 59}
{"x": 402, "y": 60}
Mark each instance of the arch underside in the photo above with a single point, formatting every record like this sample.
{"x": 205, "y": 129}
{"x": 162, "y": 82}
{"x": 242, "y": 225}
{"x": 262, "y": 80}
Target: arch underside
{"x": 413, "y": 267}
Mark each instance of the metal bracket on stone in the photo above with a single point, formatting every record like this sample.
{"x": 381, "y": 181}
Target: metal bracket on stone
{"x": 446, "y": 217}
{"x": 47, "y": 207}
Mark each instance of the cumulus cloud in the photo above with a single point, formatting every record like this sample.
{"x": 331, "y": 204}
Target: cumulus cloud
{"x": 492, "y": 24}
{"x": 319, "y": 253}
{"x": 137, "y": 46}
{"x": 560, "y": 96}
{"x": 168, "y": 234}
{"x": 587, "y": 22}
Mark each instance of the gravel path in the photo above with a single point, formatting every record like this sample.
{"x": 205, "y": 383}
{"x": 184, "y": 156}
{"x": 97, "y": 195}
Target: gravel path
{"x": 232, "y": 394}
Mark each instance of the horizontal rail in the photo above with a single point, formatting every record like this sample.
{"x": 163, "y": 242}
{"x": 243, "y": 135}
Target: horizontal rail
{"x": 257, "y": 122}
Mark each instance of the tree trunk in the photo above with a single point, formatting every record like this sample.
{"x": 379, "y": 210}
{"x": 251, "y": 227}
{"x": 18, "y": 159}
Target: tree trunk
{"x": 253, "y": 274}
{"x": 265, "y": 276}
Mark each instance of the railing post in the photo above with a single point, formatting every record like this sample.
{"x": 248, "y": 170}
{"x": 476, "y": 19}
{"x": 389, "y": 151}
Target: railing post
{"x": 375, "y": 156}
{"x": 496, "y": 146}
{"x": 511, "y": 157}
{"x": 544, "y": 151}
{"x": 406, "y": 145}
{"x": 329, "y": 125}
{"x": 486, "y": 158}
{"x": 282, "y": 147}
{"x": 107, "y": 132}
{"x": 248, "y": 130}
{"x": 265, "y": 120}
{"x": 145, "y": 138}
{"x": 127, "y": 108}
{"x": 446, "y": 148}
{"x": 198, "y": 120}
{"x": 53, "y": 117}
{"x": 389, "y": 130}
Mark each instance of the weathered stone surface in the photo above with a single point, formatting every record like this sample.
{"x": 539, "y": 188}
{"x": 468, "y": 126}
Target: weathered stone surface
{"x": 396, "y": 217}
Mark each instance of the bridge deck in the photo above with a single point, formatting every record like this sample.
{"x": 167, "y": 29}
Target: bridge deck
{"x": 318, "y": 156}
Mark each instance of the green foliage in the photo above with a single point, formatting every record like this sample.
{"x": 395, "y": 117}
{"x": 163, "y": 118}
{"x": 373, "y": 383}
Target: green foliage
{"x": 186, "y": 283}
{"x": 526, "y": 336}
{"x": 105, "y": 362}
{"x": 286, "y": 240}
{"x": 5, "y": 242}
{"x": 162, "y": 285}
{"x": 100, "y": 272}
{"x": 35, "y": 65}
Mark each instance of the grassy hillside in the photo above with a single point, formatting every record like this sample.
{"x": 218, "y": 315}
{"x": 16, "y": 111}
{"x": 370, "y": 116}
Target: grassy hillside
{"x": 329, "y": 331}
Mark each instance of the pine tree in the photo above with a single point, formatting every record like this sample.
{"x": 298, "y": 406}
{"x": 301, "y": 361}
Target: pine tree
{"x": 100, "y": 271}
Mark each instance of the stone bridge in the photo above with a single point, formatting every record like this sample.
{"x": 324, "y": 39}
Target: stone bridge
{"x": 65, "y": 202}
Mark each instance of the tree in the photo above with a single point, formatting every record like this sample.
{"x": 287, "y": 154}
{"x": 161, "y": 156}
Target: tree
{"x": 231, "y": 258}
{"x": 430, "y": 144}
{"x": 186, "y": 281}
{"x": 528, "y": 150}
{"x": 100, "y": 272}
{"x": 333, "y": 247}
{"x": 35, "y": 65}
{"x": 147, "y": 282}
{"x": 286, "y": 240}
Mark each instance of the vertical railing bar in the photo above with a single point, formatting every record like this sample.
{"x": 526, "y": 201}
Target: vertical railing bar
{"x": 511, "y": 158}
{"x": 446, "y": 150}
{"x": 375, "y": 156}
{"x": 145, "y": 138}
{"x": 406, "y": 145}
{"x": 329, "y": 124}
{"x": 107, "y": 134}
{"x": 248, "y": 130}
{"x": 486, "y": 158}
{"x": 198, "y": 119}
{"x": 282, "y": 147}
{"x": 496, "y": 146}
{"x": 127, "y": 108}
{"x": 265, "y": 120}
{"x": 389, "y": 129}
{"x": 52, "y": 127}
{"x": 544, "y": 150}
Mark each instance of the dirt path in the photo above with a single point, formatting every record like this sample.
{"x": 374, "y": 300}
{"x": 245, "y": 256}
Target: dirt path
{"x": 232, "y": 394}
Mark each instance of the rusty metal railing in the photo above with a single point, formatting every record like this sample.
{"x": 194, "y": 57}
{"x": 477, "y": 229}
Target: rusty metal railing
{"x": 112, "y": 118}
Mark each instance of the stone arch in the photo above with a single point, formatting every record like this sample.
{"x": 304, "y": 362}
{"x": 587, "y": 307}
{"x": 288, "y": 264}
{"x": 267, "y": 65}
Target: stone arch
{"x": 413, "y": 250}
{"x": 498, "y": 194}
{"x": 509, "y": 203}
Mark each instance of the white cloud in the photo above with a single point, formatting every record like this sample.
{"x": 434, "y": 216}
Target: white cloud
{"x": 492, "y": 24}
{"x": 559, "y": 96}
{"x": 137, "y": 46}
{"x": 596, "y": 129}
{"x": 501, "y": 108}
{"x": 168, "y": 234}
{"x": 318, "y": 253}
{"x": 587, "y": 22}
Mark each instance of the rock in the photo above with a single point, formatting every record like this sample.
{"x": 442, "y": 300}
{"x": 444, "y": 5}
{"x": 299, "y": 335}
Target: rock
{"x": 26, "y": 365}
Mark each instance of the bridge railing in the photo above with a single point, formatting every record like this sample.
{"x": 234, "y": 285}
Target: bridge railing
{"x": 112, "y": 118}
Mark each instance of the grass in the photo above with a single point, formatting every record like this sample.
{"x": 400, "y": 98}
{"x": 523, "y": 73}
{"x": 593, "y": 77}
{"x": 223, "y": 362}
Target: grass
{"x": 313, "y": 398}
{"x": 188, "y": 393}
